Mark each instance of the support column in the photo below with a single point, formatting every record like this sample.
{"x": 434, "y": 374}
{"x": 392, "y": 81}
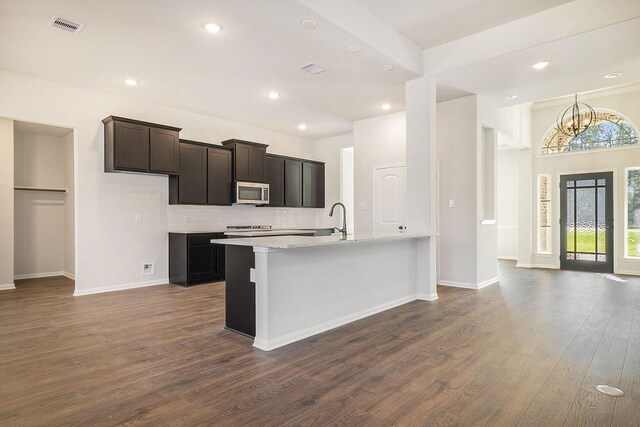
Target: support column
{"x": 421, "y": 177}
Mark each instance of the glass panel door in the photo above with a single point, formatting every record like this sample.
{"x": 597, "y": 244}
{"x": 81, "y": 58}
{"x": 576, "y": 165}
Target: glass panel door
{"x": 586, "y": 223}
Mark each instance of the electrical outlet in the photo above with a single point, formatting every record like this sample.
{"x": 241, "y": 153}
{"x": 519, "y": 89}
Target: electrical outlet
{"x": 137, "y": 218}
{"x": 452, "y": 203}
{"x": 147, "y": 268}
{"x": 362, "y": 206}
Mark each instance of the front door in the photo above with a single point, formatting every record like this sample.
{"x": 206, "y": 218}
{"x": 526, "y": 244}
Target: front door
{"x": 586, "y": 222}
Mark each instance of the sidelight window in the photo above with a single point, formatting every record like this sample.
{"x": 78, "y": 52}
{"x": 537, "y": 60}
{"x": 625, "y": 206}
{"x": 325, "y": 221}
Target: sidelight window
{"x": 544, "y": 214}
{"x": 632, "y": 224}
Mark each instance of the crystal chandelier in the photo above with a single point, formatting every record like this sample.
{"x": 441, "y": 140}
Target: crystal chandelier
{"x": 576, "y": 119}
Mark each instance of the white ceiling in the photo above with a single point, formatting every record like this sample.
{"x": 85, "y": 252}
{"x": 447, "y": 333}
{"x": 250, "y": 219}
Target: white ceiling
{"x": 430, "y": 23}
{"x": 162, "y": 43}
{"x": 578, "y": 64}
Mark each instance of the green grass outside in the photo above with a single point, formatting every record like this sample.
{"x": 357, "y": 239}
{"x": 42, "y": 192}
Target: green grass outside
{"x": 587, "y": 242}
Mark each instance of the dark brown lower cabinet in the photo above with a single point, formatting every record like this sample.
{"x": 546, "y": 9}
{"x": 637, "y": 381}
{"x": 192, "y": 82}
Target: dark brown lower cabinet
{"x": 240, "y": 291}
{"x": 193, "y": 259}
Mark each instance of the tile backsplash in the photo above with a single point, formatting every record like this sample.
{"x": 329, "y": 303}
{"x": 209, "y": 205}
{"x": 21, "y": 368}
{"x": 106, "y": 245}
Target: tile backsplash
{"x": 182, "y": 217}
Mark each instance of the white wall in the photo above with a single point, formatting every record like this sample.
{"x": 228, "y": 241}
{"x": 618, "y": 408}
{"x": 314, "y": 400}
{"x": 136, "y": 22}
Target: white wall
{"x": 616, "y": 160}
{"x": 507, "y": 203}
{"x": 328, "y": 151}
{"x": 6, "y": 203}
{"x": 457, "y": 141}
{"x": 347, "y": 178}
{"x": 110, "y": 246}
{"x": 40, "y": 225}
{"x": 377, "y": 141}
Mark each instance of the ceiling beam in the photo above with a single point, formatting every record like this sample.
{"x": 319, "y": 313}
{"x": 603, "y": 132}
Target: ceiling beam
{"x": 368, "y": 28}
{"x": 569, "y": 19}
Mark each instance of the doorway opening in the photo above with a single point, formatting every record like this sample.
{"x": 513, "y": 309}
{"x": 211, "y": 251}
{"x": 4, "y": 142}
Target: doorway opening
{"x": 586, "y": 222}
{"x": 44, "y": 200}
{"x": 347, "y": 185}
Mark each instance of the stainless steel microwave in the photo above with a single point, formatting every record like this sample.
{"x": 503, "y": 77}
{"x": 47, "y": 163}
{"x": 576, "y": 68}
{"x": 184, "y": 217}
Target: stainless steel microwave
{"x": 251, "y": 193}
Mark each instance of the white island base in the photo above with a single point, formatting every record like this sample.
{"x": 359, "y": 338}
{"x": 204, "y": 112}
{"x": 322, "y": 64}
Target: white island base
{"x": 308, "y": 285}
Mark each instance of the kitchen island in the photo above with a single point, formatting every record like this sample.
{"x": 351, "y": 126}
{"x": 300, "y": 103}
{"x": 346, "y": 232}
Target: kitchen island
{"x": 282, "y": 289}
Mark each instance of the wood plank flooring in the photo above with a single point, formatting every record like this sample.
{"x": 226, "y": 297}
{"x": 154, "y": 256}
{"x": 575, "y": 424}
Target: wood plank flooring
{"x": 527, "y": 352}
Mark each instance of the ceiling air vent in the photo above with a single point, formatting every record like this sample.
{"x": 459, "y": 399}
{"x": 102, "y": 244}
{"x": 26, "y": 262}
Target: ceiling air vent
{"x": 312, "y": 68}
{"x": 65, "y": 24}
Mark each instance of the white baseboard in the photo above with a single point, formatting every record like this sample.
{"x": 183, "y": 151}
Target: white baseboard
{"x": 428, "y": 297}
{"x": 90, "y": 291}
{"x": 272, "y": 344}
{"x": 525, "y": 265}
{"x": 628, "y": 272}
{"x": 69, "y": 275}
{"x": 467, "y": 285}
{"x": 508, "y": 257}
{"x": 39, "y": 275}
{"x": 7, "y": 287}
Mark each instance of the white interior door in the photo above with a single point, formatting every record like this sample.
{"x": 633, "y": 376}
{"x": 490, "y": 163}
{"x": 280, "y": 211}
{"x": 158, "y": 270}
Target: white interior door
{"x": 389, "y": 188}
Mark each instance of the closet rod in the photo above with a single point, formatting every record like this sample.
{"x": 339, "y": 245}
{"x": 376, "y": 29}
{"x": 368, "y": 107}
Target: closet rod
{"x": 50, "y": 190}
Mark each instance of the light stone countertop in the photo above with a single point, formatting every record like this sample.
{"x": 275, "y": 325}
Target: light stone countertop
{"x": 295, "y": 242}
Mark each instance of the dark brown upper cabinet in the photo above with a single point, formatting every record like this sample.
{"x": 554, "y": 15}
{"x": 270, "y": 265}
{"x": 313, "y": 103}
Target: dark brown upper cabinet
{"x": 220, "y": 176}
{"x": 136, "y": 146}
{"x": 313, "y": 185}
{"x": 205, "y": 175}
{"x": 249, "y": 160}
{"x": 275, "y": 179}
{"x": 292, "y": 183}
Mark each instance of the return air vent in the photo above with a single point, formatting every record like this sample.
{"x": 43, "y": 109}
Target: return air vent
{"x": 65, "y": 24}
{"x": 312, "y": 68}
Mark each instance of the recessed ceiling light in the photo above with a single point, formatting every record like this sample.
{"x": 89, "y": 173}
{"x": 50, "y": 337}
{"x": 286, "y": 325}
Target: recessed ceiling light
{"x": 541, "y": 65}
{"x": 353, "y": 48}
{"x": 387, "y": 67}
{"x": 302, "y": 126}
{"x": 309, "y": 24}
{"x": 510, "y": 97}
{"x": 274, "y": 95}
{"x": 385, "y": 107}
{"x": 212, "y": 27}
{"x": 612, "y": 75}
{"x": 131, "y": 82}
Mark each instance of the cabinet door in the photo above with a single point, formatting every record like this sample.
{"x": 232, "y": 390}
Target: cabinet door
{"x": 241, "y": 154}
{"x": 192, "y": 182}
{"x": 131, "y": 147}
{"x": 313, "y": 185}
{"x": 275, "y": 178}
{"x": 257, "y": 160}
{"x": 319, "y": 185}
{"x": 292, "y": 183}
{"x": 219, "y": 176}
{"x": 202, "y": 263}
{"x": 164, "y": 151}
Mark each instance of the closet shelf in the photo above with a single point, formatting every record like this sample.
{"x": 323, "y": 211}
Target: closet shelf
{"x": 45, "y": 189}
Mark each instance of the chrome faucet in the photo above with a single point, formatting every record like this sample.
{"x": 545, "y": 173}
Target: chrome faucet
{"x": 342, "y": 230}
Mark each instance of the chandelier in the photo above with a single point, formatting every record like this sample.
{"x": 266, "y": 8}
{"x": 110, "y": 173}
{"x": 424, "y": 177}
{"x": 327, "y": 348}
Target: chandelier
{"x": 576, "y": 119}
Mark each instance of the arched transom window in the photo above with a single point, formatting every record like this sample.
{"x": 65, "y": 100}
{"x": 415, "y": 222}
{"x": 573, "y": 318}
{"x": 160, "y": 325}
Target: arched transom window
{"x": 609, "y": 130}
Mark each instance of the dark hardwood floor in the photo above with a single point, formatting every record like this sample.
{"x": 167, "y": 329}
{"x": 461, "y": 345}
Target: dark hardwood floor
{"x": 527, "y": 352}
